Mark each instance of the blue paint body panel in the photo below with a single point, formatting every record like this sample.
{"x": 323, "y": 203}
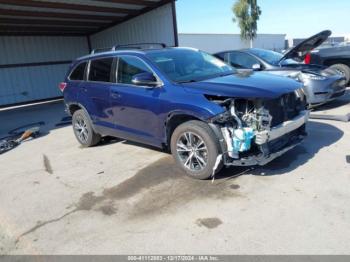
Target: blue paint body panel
{"x": 140, "y": 114}
{"x": 245, "y": 85}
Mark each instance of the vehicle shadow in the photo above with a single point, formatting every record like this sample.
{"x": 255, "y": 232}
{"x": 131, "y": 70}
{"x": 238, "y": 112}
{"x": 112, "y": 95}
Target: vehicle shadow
{"x": 45, "y": 116}
{"x": 131, "y": 143}
{"x": 108, "y": 140}
{"x": 53, "y": 116}
{"x": 320, "y": 135}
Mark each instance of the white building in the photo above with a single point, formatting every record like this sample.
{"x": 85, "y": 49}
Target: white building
{"x": 214, "y": 43}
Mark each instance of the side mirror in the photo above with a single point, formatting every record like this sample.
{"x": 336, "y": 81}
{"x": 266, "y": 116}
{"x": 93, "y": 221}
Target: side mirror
{"x": 145, "y": 79}
{"x": 256, "y": 67}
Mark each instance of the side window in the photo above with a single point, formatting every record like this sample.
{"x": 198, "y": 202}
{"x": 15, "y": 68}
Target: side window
{"x": 100, "y": 70}
{"x": 78, "y": 72}
{"x": 129, "y": 66}
{"x": 220, "y": 56}
{"x": 241, "y": 60}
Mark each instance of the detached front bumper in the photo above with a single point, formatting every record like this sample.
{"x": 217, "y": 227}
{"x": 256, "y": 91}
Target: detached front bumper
{"x": 282, "y": 129}
{"x": 274, "y": 143}
{"x": 262, "y": 159}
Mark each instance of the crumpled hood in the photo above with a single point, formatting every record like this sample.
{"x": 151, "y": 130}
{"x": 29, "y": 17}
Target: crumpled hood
{"x": 245, "y": 85}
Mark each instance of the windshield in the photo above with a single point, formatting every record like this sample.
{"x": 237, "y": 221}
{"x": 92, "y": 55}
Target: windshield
{"x": 271, "y": 57}
{"x": 187, "y": 65}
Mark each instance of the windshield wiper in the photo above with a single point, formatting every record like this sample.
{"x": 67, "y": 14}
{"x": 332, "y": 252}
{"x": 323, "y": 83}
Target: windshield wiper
{"x": 227, "y": 74}
{"x": 187, "y": 81}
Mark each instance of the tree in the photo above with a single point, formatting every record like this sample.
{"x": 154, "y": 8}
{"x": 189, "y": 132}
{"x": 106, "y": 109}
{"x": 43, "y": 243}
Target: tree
{"x": 247, "y": 13}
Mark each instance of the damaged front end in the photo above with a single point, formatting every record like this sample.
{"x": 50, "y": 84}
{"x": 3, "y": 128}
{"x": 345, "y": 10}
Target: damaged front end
{"x": 256, "y": 131}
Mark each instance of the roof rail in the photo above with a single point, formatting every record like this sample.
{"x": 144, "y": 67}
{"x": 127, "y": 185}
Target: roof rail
{"x": 129, "y": 46}
{"x": 141, "y": 46}
{"x": 101, "y": 50}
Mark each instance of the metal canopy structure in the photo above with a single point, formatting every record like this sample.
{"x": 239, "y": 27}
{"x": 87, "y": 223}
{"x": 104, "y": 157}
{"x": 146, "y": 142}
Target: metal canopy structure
{"x": 69, "y": 17}
{"x": 40, "y": 38}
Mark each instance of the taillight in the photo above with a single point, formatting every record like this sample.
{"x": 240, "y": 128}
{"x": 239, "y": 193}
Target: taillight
{"x": 62, "y": 86}
{"x": 307, "y": 59}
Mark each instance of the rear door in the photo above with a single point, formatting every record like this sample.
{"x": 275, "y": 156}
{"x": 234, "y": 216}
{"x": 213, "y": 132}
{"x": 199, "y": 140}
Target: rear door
{"x": 75, "y": 79}
{"x": 136, "y": 109}
{"x": 95, "y": 92}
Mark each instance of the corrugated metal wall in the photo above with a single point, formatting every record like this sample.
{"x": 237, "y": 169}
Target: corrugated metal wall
{"x": 214, "y": 43}
{"x": 27, "y": 83}
{"x": 24, "y": 83}
{"x": 154, "y": 26}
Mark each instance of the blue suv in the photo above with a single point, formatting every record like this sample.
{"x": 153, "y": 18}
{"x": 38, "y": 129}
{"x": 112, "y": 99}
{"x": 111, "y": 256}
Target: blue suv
{"x": 188, "y": 101}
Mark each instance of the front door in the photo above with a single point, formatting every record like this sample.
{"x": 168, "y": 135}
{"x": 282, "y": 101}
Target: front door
{"x": 136, "y": 109}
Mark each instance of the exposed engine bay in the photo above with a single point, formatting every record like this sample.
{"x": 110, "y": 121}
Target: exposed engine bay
{"x": 255, "y": 131}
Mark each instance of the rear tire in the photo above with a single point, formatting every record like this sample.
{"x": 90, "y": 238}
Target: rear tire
{"x": 343, "y": 70}
{"x": 83, "y": 130}
{"x": 195, "y": 148}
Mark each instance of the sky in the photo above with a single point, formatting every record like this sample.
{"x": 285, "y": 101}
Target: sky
{"x": 295, "y": 18}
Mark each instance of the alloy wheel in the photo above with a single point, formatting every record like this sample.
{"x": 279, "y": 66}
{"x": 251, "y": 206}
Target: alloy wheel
{"x": 192, "y": 151}
{"x": 81, "y": 130}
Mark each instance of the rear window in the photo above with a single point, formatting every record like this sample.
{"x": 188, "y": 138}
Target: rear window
{"x": 100, "y": 70}
{"x": 78, "y": 72}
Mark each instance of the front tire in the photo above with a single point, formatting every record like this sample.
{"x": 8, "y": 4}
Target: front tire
{"x": 342, "y": 69}
{"x": 83, "y": 130}
{"x": 195, "y": 148}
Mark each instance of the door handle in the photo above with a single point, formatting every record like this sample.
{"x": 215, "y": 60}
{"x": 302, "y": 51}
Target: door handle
{"x": 84, "y": 89}
{"x": 115, "y": 94}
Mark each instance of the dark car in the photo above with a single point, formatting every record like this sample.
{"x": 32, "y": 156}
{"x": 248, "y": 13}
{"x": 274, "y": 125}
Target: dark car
{"x": 322, "y": 84}
{"x": 186, "y": 100}
{"x": 336, "y": 57}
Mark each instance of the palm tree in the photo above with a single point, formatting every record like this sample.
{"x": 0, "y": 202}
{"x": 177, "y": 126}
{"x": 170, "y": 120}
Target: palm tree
{"x": 247, "y": 13}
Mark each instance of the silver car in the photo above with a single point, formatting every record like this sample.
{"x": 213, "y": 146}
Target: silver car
{"x": 321, "y": 84}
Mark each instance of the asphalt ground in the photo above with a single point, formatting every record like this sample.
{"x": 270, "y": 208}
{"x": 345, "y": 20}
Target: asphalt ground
{"x": 125, "y": 198}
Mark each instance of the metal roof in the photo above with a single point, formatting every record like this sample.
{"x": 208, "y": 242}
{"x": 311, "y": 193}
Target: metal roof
{"x": 69, "y": 17}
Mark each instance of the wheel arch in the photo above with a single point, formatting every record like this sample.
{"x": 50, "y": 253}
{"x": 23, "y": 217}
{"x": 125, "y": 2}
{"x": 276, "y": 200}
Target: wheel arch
{"x": 174, "y": 120}
{"x": 73, "y": 107}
